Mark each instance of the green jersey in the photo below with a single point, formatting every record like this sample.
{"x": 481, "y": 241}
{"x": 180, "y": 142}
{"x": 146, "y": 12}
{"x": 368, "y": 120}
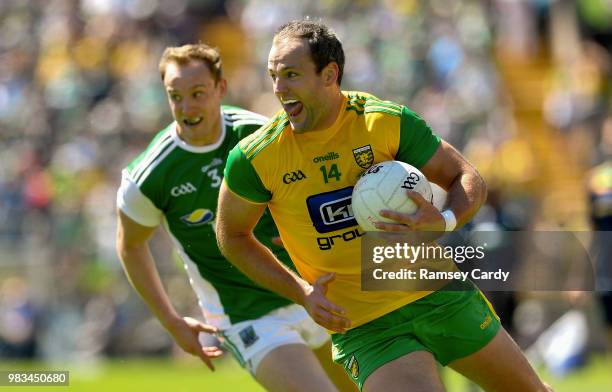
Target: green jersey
{"x": 177, "y": 185}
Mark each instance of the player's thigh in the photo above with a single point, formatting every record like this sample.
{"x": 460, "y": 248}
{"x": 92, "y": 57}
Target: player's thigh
{"x": 415, "y": 372}
{"x": 318, "y": 339}
{"x": 500, "y": 366}
{"x": 335, "y": 372}
{"x": 292, "y": 368}
{"x": 379, "y": 344}
{"x": 275, "y": 350}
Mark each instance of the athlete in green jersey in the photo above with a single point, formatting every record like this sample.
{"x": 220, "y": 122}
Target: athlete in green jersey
{"x": 175, "y": 182}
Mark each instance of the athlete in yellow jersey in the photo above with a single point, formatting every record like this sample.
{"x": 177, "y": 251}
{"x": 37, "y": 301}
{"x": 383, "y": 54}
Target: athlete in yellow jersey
{"x": 302, "y": 165}
{"x": 309, "y": 189}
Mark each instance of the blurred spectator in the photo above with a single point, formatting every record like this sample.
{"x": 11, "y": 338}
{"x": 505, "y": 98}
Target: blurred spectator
{"x": 18, "y": 318}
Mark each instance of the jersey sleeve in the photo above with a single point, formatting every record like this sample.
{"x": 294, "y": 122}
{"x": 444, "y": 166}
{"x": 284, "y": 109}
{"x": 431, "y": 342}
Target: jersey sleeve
{"x": 132, "y": 202}
{"x": 249, "y": 125}
{"x": 244, "y": 122}
{"x": 242, "y": 178}
{"x": 247, "y": 129}
{"x": 417, "y": 142}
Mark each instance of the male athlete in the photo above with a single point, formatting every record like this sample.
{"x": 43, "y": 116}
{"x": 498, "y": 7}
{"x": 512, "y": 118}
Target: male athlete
{"x": 175, "y": 183}
{"x": 303, "y": 165}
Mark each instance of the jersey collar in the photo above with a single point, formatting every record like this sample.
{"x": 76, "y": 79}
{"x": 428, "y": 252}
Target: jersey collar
{"x": 199, "y": 149}
{"x": 327, "y": 133}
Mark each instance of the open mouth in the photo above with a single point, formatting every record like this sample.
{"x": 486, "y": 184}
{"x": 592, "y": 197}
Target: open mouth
{"x": 293, "y": 107}
{"x": 193, "y": 121}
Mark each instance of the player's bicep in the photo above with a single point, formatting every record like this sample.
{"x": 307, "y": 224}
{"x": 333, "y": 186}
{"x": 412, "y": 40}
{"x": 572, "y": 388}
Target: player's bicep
{"x": 445, "y": 165}
{"x": 131, "y": 234}
{"x": 236, "y": 215}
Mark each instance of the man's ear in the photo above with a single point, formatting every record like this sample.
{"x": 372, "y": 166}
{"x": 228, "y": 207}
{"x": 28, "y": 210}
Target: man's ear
{"x": 222, "y": 83}
{"x": 330, "y": 73}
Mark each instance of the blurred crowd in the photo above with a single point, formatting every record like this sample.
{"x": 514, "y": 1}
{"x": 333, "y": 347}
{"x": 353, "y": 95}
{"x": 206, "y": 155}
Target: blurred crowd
{"x": 80, "y": 95}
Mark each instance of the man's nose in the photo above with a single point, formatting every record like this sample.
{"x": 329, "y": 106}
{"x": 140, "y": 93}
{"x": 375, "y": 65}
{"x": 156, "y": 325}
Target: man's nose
{"x": 280, "y": 86}
{"x": 187, "y": 106}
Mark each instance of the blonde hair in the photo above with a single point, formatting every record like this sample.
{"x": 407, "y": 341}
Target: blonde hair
{"x": 193, "y": 52}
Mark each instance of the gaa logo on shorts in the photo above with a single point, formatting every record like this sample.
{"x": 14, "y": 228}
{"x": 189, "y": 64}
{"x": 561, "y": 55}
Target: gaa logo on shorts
{"x": 331, "y": 211}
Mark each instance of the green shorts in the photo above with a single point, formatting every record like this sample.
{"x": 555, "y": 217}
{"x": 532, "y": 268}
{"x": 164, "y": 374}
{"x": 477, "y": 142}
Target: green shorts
{"x": 448, "y": 324}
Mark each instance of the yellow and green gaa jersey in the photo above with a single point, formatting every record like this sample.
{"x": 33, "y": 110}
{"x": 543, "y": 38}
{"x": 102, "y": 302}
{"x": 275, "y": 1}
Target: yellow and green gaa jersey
{"x": 307, "y": 180}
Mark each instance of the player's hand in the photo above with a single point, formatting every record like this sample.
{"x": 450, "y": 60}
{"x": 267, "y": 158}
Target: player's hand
{"x": 324, "y": 312}
{"x": 426, "y": 218}
{"x": 186, "y": 333}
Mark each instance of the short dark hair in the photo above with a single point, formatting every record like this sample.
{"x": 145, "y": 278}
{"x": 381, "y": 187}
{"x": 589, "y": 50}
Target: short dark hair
{"x": 193, "y": 52}
{"x": 325, "y": 47}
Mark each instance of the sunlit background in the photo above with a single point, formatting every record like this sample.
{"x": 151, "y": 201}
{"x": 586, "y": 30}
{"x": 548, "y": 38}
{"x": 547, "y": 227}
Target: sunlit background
{"x": 522, "y": 87}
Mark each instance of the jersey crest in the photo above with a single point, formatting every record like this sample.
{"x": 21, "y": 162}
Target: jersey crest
{"x": 364, "y": 156}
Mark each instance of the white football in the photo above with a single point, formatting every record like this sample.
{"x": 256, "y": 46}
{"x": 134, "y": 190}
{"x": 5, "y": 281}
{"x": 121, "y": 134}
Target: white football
{"x": 383, "y": 187}
{"x": 440, "y": 196}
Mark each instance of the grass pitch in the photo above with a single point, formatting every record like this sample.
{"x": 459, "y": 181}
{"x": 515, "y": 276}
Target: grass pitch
{"x": 184, "y": 375}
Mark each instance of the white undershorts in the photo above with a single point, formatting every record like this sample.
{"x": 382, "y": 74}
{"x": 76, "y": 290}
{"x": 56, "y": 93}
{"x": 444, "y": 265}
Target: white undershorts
{"x": 250, "y": 341}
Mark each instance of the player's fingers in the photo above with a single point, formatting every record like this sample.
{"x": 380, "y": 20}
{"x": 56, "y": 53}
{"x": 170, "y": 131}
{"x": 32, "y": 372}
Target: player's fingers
{"x": 200, "y": 326}
{"x": 417, "y": 198}
{"x": 326, "y": 279}
{"x": 333, "y": 328}
{"x": 329, "y": 324}
{"x": 206, "y": 360}
{"x": 212, "y": 352}
{"x": 207, "y": 328}
{"x": 331, "y": 307}
{"x": 401, "y": 217}
{"x": 332, "y": 321}
{"x": 323, "y": 282}
{"x": 393, "y": 227}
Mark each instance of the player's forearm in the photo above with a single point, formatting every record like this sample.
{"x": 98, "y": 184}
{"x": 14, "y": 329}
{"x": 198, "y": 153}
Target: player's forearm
{"x": 466, "y": 195}
{"x": 259, "y": 263}
{"x": 140, "y": 269}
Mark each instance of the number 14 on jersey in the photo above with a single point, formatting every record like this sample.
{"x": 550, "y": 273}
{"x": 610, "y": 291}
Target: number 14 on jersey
{"x": 330, "y": 173}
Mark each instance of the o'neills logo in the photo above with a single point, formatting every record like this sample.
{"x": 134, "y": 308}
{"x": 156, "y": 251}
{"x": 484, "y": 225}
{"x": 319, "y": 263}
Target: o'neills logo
{"x": 329, "y": 157}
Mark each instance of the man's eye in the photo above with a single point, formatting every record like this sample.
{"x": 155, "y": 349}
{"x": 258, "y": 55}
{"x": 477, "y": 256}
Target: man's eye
{"x": 198, "y": 94}
{"x": 175, "y": 97}
{"x": 291, "y": 74}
